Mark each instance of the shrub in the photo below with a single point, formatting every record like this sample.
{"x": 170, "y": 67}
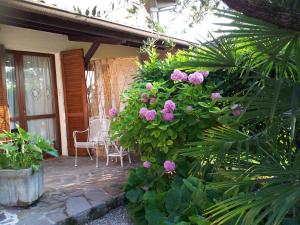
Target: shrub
{"x": 149, "y": 123}
{"x": 157, "y": 197}
{"x": 165, "y": 109}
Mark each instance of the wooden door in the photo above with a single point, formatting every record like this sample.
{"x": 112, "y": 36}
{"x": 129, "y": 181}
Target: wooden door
{"x": 75, "y": 97}
{"x": 4, "y": 113}
{"x": 31, "y": 93}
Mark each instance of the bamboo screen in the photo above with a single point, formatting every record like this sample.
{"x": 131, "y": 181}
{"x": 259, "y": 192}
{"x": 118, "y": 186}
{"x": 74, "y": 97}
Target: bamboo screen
{"x": 106, "y": 80}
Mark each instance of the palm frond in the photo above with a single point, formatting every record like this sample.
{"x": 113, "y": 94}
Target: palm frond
{"x": 212, "y": 55}
{"x": 274, "y": 48}
{"x": 277, "y": 191}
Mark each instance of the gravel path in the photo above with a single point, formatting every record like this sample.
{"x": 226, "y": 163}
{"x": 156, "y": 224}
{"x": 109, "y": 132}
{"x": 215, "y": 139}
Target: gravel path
{"x": 116, "y": 216}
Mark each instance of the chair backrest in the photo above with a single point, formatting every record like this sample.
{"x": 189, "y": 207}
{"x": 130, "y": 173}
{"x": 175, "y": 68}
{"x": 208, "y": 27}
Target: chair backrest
{"x": 95, "y": 127}
{"x": 105, "y": 128}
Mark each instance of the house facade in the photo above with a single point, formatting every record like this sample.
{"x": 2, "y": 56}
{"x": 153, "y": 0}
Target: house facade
{"x": 44, "y": 57}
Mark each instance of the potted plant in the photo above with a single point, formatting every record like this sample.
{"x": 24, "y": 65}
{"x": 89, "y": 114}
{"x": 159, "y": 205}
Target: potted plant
{"x": 21, "y": 171}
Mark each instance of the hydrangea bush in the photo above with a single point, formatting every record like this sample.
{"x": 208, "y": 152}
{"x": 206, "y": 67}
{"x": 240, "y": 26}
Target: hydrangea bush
{"x": 162, "y": 115}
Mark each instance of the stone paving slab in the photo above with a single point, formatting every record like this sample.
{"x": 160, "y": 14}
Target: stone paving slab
{"x": 72, "y": 195}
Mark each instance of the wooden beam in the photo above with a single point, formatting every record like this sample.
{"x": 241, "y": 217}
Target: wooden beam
{"x": 90, "y": 53}
{"x": 60, "y": 25}
{"x": 102, "y": 40}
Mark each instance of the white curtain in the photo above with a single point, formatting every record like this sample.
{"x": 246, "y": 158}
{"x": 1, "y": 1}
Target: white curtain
{"x": 39, "y": 98}
{"x": 11, "y": 87}
{"x": 38, "y": 85}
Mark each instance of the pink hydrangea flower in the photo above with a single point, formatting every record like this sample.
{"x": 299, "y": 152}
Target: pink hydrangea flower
{"x": 169, "y": 106}
{"x": 236, "y": 112}
{"x": 169, "y": 116}
{"x": 178, "y": 75}
{"x": 205, "y": 73}
{"x": 147, "y": 164}
{"x": 196, "y": 78}
{"x": 215, "y": 95}
{"x": 112, "y": 112}
{"x": 169, "y": 166}
{"x": 144, "y": 97}
{"x": 184, "y": 76}
{"x": 152, "y": 100}
{"x": 145, "y": 188}
{"x": 150, "y": 115}
{"x": 143, "y": 112}
{"x": 149, "y": 86}
{"x": 189, "y": 108}
{"x": 236, "y": 109}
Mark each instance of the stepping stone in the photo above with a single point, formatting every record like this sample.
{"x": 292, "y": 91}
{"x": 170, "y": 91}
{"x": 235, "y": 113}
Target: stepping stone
{"x": 75, "y": 205}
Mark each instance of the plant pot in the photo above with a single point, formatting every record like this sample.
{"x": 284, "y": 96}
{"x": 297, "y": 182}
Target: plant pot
{"x": 21, "y": 187}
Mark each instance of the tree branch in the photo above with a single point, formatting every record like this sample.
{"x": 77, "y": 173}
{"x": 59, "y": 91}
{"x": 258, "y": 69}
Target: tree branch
{"x": 268, "y": 12}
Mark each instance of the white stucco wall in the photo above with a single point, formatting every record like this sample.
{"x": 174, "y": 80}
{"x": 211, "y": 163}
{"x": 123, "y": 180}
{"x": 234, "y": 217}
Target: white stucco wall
{"x": 21, "y": 39}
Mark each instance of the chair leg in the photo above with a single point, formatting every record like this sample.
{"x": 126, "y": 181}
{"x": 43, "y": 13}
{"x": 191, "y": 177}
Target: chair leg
{"x": 121, "y": 159}
{"x": 88, "y": 151}
{"x": 97, "y": 159}
{"x": 75, "y": 156}
{"x": 107, "y": 160}
{"x": 129, "y": 158}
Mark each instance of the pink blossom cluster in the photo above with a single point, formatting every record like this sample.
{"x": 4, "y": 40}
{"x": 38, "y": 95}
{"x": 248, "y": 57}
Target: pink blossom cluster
{"x": 152, "y": 101}
{"x": 147, "y": 114}
{"x": 112, "y": 112}
{"x": 205, "y": 73}
{"x": 196, "y": 78}
{"x": 147, "y": 164}
{"x": 178, "y": 75}
{"x": 189, "y": 109}
{"x": 149, "y": 86}
{"x": 215, "y": 96}
{"x": 169, "y": 166}
{"x": 236, "y": 109}
{"x": 145, "y": 98}
{"x": 167, "y": 112}
{"x": 169, "y": 106}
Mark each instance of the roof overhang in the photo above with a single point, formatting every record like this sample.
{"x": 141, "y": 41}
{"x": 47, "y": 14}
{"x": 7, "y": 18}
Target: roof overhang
{"x": 43, "y": 17}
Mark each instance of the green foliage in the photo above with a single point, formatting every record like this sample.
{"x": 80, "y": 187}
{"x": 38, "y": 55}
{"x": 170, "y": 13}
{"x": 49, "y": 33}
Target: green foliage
{"x": 23, "y": 150}
{"x": 161, "y": 136}
{"x": 152, "y": 192}
{"x": 258, "y": 151}
{"x": 159, "y": 198}
{"x": 251, "y": 158}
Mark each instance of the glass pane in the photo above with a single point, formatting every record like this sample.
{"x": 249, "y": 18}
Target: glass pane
{"x": 11, "y": 85}
{"x": 43, "y": 127}
{"x": 13, "y": 125}
{"x": 38, "y": 85}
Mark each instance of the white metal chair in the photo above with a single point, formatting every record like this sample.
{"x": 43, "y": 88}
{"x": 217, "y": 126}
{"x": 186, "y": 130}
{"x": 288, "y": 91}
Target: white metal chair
{"x": 94, "y": 139}
{"x": 112, "y": 149}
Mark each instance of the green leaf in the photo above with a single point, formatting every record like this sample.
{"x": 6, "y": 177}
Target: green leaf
{"x": 169, "y": 142}
{"x": 203, "y": 104}
{"x": 199, "y": 220}
{"x": 134, "y": 195}
{"x": 173, "y": 200}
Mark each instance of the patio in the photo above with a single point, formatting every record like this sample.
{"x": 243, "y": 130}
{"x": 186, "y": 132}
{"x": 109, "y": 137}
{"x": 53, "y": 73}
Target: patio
{"x": 73, "y": 195}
